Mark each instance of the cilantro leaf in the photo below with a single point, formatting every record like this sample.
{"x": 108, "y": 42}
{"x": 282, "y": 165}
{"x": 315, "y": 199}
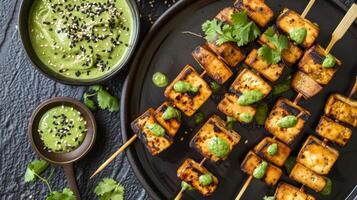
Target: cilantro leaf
{"x": 36, "y": 167}
{"x": 212, "y": 29}
{"x": 107, "y": 101}
{"x": 66, "y": 194}
{"x": 109, "y": 189}
{"x": 96, "y": 88}
{"x": 240, "y": 18}
{"x": 89, "y": 102}
{"x": 271, "y": 56}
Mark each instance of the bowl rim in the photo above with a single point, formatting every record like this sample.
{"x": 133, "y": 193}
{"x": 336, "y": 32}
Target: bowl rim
{"x": 41, "y": 67}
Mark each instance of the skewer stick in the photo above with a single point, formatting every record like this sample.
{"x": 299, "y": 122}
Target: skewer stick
{"x": 203, "y": 74}
{"x": 297, "y": 98}
{"x": 307, "y": 9}
{"x": 324, "y": 142}
{"x": 179, "y": 195}
{"x": 302, "y": 188}
{"x": 202, "y": 161}
{"x": 354, "y": 89}
{"x": 245, "y": 186}
{"x": 115, "y": 154}
{"x": 342, "y": 27}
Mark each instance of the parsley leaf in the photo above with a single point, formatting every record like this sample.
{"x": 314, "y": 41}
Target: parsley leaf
{"x": 66, "y": 194}
{"x": 271, "y": 56}
{"x": 36, "y": 167}
{"x": 109, "y": 189}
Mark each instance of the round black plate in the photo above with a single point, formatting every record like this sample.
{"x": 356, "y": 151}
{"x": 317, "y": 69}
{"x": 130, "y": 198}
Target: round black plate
{"x": 167, "y": 49}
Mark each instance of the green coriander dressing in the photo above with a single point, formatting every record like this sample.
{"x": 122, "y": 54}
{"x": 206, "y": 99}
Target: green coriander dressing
{"x": 81, "y": 39}
{"x": 62, "y": 129}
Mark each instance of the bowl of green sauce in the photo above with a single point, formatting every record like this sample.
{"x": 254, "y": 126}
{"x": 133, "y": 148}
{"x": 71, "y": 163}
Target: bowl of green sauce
{"x": 79, "y": 42}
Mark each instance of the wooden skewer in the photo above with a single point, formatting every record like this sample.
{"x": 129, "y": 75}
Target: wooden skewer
{"x": 115, "y": 154}
{"x": 354, "y": 89}
{"x": 302, "y": 188}
{"x": 179, "y": 195}
{"x": 245, "y": 186}
{"x": 203, "y": 74}
{"x": 202, "y": 161}
{"x": 297, "y": 99}
{"x": 307, "y": 9}
{"x": 324, "y": 142}
{"x": 342, "y": 27}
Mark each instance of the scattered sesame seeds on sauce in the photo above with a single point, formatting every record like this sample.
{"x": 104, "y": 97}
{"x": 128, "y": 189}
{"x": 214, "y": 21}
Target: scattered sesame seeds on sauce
{"x": 62, "y": 129}
{"x": 81, "y": 39}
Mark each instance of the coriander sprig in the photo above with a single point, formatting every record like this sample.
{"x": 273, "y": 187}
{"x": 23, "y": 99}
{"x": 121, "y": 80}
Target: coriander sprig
{"x": 104, "y": 100}
{"x": 109, "y": 189}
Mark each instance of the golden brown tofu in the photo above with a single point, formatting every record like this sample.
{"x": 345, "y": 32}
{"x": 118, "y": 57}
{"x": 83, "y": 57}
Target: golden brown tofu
{"x": 316, "y": 156}
{"x": 286, "y": 191}
{"x": 257, "y": 10}
{"x": 252, "y": 161}
{"x": 311, "y": 64}
{"x": 230, "y": 107}
{"x": 290, "y": 55}
{"x": 261, "y": 149}
{"x": 190, "y": 172}
{"x": 307, "y": 177}
{"x": 171, "y": 125}
{"x": 214, "y": 127}
{"x": 155, "y": 144}
{"x": 289, "y": 20}
{"x": 282, "y": 108}
{"x": 248, "y": 80}
{"x": 214, "y": 67}
{"x": 225, "y": 15}
{"x": 305, "y": 85}
{"x": 189, "y": 102}
{"x": 271, "y": 72}
{"x": 333, "y": 131}
{"x": 342, "y": 109}
{"x": 229, "y": 52}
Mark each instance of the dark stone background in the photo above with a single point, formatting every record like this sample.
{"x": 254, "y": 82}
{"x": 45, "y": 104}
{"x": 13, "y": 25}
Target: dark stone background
{"x": 22, "y": 88}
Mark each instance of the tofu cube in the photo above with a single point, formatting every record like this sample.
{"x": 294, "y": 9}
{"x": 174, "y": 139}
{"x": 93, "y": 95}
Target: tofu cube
{"x": 282, "y": 108}
{"x": 307, "y": 177}
{"x": 342, "y": 108}
{"x": 171, "y": 125}
{"x": 316, "y": 156}
{"x": 230, "y": 107}
{"x": 214, "y": 127}
{"x": 333, "y": 131}
{"x": 290, "y": 55}
{"x": 304, "y": 84}
{"x": 190, "y": 172}
{"x": 248, "y": 80}
{"x": 286, "y": 191}
{"x": 289, "y": 20}
{"x": 271, "y": 72}
{"x": 229, "y": 52}
{"x": 225, "y": 15}
{"x": 311, "y": 64}
{"x": 214, "y": 67}
{"x": 252, "y": 161}
{"x": 155, "y": 144}
{"x": 189, "y": 102}
{"x": 257, "y": 10}
{"x": 261, "y": 149}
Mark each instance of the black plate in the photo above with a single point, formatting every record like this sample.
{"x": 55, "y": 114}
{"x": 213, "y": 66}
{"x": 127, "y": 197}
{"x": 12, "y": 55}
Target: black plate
{"x": 167, "y": 50}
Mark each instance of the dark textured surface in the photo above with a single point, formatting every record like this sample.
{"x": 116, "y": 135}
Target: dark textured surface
{"x": 23, "y": 88}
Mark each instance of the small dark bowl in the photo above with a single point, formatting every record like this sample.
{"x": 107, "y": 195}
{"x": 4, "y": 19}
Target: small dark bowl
{"x": 61, "y": 158}
{"x": 25, "y": 38}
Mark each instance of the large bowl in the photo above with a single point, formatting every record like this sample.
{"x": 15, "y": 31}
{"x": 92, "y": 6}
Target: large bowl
{"x": 25, "y": 38}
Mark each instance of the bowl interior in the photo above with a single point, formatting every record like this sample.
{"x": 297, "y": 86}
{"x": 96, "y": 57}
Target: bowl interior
{"x": 25, "y": 38}
{"x": 61, "y": 158}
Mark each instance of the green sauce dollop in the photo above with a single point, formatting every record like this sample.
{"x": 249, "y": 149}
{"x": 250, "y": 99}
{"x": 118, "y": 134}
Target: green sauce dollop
{"x": 160, "y": 79}
{"x": 184, "y": 86}
{"x": 298, "y": 35}
{"x": 329, "y": 61}
{"x": 218, "y": 147}
{"x": 250, "y": 97}
{"x": 259, "y": 171}
{"x": 186, "y": 186}
{"x": 328, "y": 187}
{"x": 156, "y": 129}
{"x": 287, "y": 121}
{"x": 205, "y": 179}
{"x": 272, "y": 149}
{"x": 171, "y": 113}
{"x": 246, "y": 117}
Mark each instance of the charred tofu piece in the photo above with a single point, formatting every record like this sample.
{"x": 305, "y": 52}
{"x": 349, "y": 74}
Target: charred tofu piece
{"x": 171, "y": 125}
{"x": 141, "y": 127}
{"x": 252, "y": 161}
{"x": 307, "y": 177}
{"x": 342, "y": 109}
{"x": 248, "y": 80}
{"x": 271, "y": 72}
{"x": 304, "y": 84}
{"x": 189, "y": 102}
{"x": 225, "y": 15}
{"x": 290, "y": 20}
{"x": 333, "y": 131}
{"x": 286, "y": 191}
{"x": 209, "y": 134}
{"x": 290, "y": 55}
{"x": 214, "y": 67}
{"x": 190, "y": 172}
{"x": 311, "y": 64}
{"x": 282, "y": 108}
{"x": 230, "y": 107}
{"x": 263, "y": 149}
{"x": 316, "y": 156}
{"x": 257, "y": 10}
{"x": 229, "y": 52}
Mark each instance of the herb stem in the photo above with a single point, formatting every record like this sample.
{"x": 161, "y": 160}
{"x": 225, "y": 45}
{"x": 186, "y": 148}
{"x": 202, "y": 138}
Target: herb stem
{"x": 192, "y": 33}
{"x": 45, "y": 181}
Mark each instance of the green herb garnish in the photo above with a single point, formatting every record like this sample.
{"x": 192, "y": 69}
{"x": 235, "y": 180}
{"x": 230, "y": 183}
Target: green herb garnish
{"x": 199, "y": 117}
{"x": 230, "y": 122}
{"x": 261, "y": 113}
{"x": 66, "y": 194}
{"x": 109, "y": 189}
{"x": 214, "y": 86}
{"x": 289, "y": 164}
{"x": 34, "y": 169}
{"x": 104, "y": 99}
{"x": 328, "y": 187}
{"x": 280, "y": 42}
{"x": 282, "y": 87}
